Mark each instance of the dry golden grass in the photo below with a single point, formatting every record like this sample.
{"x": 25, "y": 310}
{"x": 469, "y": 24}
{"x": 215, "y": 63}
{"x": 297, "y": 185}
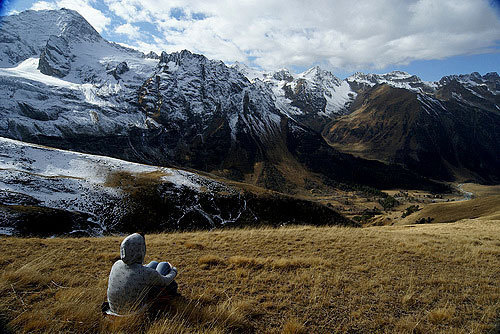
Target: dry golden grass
{"x": 487, "y": 206}
{"x": 440, "y": 315}
{"x": 423, "y": 279}
{"x": 480, "y": 190}
{"x": 293, "y": 326}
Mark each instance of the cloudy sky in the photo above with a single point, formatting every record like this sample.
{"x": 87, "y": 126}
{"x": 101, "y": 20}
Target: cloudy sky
{"x": 430, "y": 38}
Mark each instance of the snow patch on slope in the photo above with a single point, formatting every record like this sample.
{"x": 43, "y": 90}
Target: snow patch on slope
{"x": 28, "y": 69}
{"x": 73, "y": 181}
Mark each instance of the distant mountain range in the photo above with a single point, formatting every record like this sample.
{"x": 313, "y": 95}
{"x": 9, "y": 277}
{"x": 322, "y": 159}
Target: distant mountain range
{"x": 65, "y": 86}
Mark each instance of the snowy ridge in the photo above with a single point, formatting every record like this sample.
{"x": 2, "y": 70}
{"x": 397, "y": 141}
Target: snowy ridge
{"x": 398, "y": 79}
{"x": 79, "y": 182}
{"x": 329, "y": 94}
{"x": 338, "y": 93}
{"x": 475, "y": 82}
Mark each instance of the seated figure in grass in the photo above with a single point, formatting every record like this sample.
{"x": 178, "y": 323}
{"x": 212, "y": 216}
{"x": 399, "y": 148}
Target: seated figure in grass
{"x": 131, "y": 285}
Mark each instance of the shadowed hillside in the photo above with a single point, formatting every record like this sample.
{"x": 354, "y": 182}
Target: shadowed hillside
{"x": 439, "y": 139}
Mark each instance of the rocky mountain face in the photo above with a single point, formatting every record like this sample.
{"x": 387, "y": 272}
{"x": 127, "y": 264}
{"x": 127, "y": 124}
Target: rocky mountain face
{"x": 26, "y": 34}
{"x": 311, "y": 98}
{"x": 54, "y": 58}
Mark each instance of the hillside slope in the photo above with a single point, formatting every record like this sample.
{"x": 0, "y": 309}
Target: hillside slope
{"x": 441, "y": 139}
{"x": 479, "y": 202}
{"x": 45, "y": 191}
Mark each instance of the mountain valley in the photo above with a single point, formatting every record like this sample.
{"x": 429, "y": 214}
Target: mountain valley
{"x": 310, "y": 136}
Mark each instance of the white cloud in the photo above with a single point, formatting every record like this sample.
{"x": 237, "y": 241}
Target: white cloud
{"x": 41, "y": 5}
{"x": 344, "y": 34}
{"x": 129, "y": 10}
{"x": 131, "y": 31}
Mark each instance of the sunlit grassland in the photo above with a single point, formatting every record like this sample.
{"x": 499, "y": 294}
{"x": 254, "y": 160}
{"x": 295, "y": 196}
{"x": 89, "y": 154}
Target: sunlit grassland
{"x": 421, "y": 279}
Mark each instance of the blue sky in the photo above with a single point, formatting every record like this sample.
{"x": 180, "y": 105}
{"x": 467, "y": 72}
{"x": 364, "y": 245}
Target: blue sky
{"x": 429, "y": 38}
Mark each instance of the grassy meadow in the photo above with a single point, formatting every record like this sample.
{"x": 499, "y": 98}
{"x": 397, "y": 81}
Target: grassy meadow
{"x": 430, "y": 278}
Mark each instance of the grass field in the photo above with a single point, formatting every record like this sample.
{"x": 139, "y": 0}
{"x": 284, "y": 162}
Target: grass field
{"x": 481, "y": 202}
{"x": 422, "y": 279}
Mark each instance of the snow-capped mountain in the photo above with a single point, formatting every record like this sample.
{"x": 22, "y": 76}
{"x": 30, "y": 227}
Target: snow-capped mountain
{"x": 319, "y": 92}
{"x": 311, "y": 98}
{"x": 65, "y": 80}
{"x": 69, "y": 88}
{"x": 25, "y": 35}
{"x": 398, "y": 79}
{"x": 490, "y": 80}
{"x": 486, "y": 87}
{"x": 471, "y": 89}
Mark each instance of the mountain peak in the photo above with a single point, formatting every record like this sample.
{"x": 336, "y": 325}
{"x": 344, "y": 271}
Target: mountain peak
{"x": 474, "y": 76}
{"x": 251, "y": 73}
{"x": 180, "y": 55}
{"x": 283, "y": 74}
{"x": 476, "y": 82}
{"x": 24, "y": 35}
{"x": 76, "y": 26}
{"x": 318, "y": 74}
{"x": 69, "y": 22}
{"x": 313, "y": 71}
{"x": 398, "y": 79}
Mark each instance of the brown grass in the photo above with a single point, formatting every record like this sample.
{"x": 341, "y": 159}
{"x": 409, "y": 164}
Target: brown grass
{"x": 426, "y": 279}
{"x": 480, "y": 190}
{"x": 211, "y": 260}
{"x": 194, "y": 245}
{"x": 440, "y": 315}
{"x": 130, "y": 182}
{"x": 488, "y": 206}
{"x": 294, "y": 326}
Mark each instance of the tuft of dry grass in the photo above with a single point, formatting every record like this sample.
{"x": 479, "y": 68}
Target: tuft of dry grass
{"x": 419, "y": 279}
{"x": 293, "y": 326}
{"x": 440, "y": 315}
{"x": 211, "y": 260}
{"x": 246, "y": 262}
{"x": 194, "y": 245}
